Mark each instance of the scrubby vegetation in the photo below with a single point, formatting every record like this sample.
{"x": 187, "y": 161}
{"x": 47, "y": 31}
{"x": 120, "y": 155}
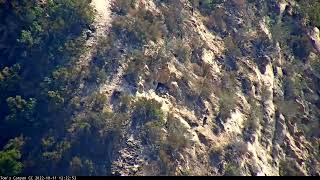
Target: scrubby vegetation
{"x": 232, "y": 170}
{"x": 287, "y": 168}
{"x": 311, "y": 9}
{"x": 254, "y": 119}
{"x": 37, "y": 87}
{"x": 50, "y": 124}
{"x": 227, "y": 96}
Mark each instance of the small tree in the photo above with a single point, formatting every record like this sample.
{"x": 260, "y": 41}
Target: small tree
{"x": 9, "y": 164}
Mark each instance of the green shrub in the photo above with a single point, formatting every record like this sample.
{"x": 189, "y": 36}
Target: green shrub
{"x": 232, "y": 170}
{"x": 9, "y": 79}
{"x": 96, "y": 102}
{"x": 146, "y": 110}
{"x": 176, "y": 134}
{"x": 136, "y": 67}
{"x": 227, "y": 96}
{"x": 311, "y": 9}
{"x": 147, "y": 115}
{"x": 97, "y": 75}
{"x": 9, "y": 165}
{"x": 227, "y": 104}
{"x": 21, "y": 110}
{"x": 81, "y": 166}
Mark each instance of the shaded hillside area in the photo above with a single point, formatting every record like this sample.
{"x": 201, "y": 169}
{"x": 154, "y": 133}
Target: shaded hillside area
{"x": 160, "y": 87}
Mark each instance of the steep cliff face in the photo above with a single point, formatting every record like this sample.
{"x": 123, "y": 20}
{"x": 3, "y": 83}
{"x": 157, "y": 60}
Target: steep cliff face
{"x": 214, "y": 88}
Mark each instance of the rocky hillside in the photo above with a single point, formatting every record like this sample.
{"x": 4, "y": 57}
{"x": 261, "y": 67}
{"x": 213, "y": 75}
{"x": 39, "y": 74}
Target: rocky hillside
{"x": 168, "y": 87}
{"x": 218, "y": 88}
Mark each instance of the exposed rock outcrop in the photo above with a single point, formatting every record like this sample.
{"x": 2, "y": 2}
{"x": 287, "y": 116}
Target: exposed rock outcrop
{"x": 231, "y": 89}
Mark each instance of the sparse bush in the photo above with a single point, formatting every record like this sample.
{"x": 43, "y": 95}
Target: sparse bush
{"x": 315, "y": 64}
{"x": 205, "y": 6}
{"x": 145, "y": 111}
{"x": 265, "y": 93}
{"x": 97, "y": 75}
{"x": 125, "y": 102}
{"x": 232, "y": 170}
{"x": 181, "y": 49}
{"x": 232, "y": 46}
{"x": 255, "y": 117}
{"x": 96, "y": 102}
{"x": 122, "y": 7}
{"x": 149, "y": 118}
{"x": 139, "y": 28}
{"x": 288, "y": 108}
{"x": 235, "y": 151}
{"x": 136, "y": 67}
{"x": 240, "y": 148}
{"x": 175, "y": 17}
{"x": 227, "y": 104}
{"x": 22, "y": 111}
{"x": 227, "y": 96}
{"x": 311, "y": 9}
{"x": 287, "y": 168}
{"x": 155, "y": 134}
{"x": 176, "y": 134}
{"x": 206, "y": 88}
{"x": 292, "y": 87}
